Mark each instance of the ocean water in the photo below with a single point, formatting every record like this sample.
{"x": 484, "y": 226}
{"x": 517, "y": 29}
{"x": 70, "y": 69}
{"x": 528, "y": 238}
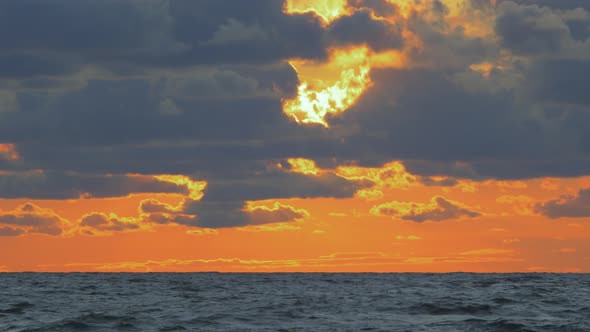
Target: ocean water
{"x": 294, "y": 302}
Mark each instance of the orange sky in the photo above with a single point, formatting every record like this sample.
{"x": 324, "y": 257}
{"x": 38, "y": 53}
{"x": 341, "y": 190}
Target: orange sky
{"x": 337, "y": 235}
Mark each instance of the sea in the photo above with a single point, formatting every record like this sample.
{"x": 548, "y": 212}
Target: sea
{"x": 294, "y": 302}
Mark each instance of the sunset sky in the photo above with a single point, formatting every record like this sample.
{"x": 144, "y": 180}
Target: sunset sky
{"x": 296, "y": 135}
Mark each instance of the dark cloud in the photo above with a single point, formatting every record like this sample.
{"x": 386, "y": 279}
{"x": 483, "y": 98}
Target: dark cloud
{"x": 361, "y": 28}
{"x": 278, "y": 213}
{"x": 439, "y": 209}
{"x": 126, "y": 37}
{"x": 560, "y": 81}
{"x": 443, "y": 46}
{"x": 560, "y": 4}
{"x": 98, "y": 90}
{"x": 458, "y": 125}
{"x": 283, "y": 185}
{"x": 9, "y": 231}
{"x": 80, "y": 25}
{"x": 174, "y": 218}
{"x": 213, "y": 104}
{"x": 445, "y": 210}
{"x": 514, "y": 169}
{"x": 237, "y": 32}
{"x": 219, "y": 214}
{"x": 33, "y": 219}
{"x": 224, "y": 203}
{"x": 103, "y": 222}
{"x": 444, "y": 127}
{"x": 530, "y": 29}
{"x": 27, "y": 64}
{"x": 52, "y": 185}
{"x": 567, "y": 206}
{"x": 155, "y": 206}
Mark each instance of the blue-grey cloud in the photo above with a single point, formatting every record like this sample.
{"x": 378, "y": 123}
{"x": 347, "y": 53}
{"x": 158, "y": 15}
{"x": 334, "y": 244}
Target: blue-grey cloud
{"x": 439, "y": 209}
{"x": 33, "y": 220}
{"x": 567, "y": 206}
{"x": 52, "y": 185}
{"x": 92, "y": 91}
{"x": 102, "y": 222}
{"x": 9, "y": 231}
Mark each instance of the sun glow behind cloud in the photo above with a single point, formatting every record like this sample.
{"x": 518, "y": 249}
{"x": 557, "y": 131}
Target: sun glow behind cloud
{"x": 333, "y": 86}
{"x": 318, "y": 98}
{"x": 327, "y": 10}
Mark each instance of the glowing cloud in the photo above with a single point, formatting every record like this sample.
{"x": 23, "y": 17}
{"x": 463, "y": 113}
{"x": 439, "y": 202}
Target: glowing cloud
{"x": 31, "y": 219}
{"x": 8, "y": 151}
{"x": 305, "y": 166}
{"x": 334, "y": 86}
{"x": 438, "y": 209}
{"x": 391, "y": 175}
{"x": 327, "y": 10}
{"x": 320, "y": 97}
{"x": 195, "y": 188}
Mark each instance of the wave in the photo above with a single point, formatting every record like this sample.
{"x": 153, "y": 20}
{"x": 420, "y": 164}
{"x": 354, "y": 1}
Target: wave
{"x": 294, "y": 302}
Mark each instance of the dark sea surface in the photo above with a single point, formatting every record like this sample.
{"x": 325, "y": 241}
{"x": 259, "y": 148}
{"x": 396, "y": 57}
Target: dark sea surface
{"x": 294, "y": 302}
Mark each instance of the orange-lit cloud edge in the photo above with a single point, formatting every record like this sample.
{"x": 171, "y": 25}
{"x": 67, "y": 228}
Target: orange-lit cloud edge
{"x": 402, "y": 223}
{"x": 331, "y": 87}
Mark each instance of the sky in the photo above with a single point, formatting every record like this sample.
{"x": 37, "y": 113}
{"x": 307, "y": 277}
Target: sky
{"x": 295, "y": 135}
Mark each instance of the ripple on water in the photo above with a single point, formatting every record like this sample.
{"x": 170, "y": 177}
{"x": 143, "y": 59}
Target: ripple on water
{"x": 293, "y": 302}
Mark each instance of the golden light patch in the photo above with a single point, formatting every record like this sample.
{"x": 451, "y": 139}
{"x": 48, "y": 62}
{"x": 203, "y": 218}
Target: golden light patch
{"x": 254, "y": 207}
{"x": 336, "y": 85}
{"x": 202, "y": 232}
{"x": 318, "y": 96}
{"x": 408, "y": 237}
{"x": 327, "y": 10}
{"x": 370, "y": 194}
{"x": 195, "y": 188}
{"x": 474, "y": 21}
{"x": 304, "y": 166}
{"x": 9, "y": 152}
{"x": 391, "y": 175}
{"x": 407, "y": 7}
{"x": 280, "y": 227}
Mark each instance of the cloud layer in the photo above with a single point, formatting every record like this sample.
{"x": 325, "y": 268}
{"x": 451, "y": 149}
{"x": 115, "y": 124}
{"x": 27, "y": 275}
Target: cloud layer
{"x": 98, "y": 97}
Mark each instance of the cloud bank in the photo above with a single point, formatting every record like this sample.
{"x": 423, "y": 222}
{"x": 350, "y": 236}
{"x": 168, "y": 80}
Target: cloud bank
{"x": 97, "y": 98}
